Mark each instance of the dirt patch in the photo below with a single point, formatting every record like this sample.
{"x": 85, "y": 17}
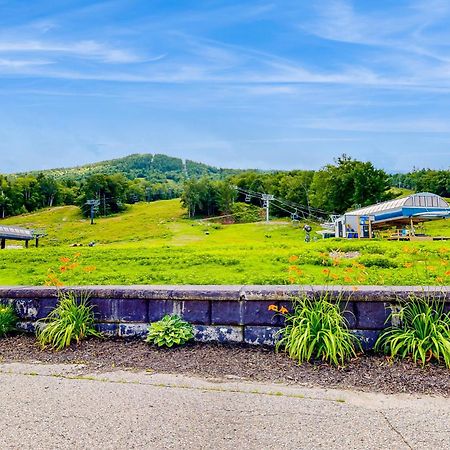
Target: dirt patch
{"x": 370, "y": 373}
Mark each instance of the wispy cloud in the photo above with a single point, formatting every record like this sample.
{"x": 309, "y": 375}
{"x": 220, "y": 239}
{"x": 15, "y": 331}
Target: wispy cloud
{"x": 87, "y": 49}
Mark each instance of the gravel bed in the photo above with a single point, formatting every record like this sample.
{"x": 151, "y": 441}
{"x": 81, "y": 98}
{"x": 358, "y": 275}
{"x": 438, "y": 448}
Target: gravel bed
{"x": 371, "y": 373}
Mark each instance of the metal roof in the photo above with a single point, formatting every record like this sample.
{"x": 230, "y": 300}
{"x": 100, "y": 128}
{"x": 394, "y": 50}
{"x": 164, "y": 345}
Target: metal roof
{"x": 16, "y": 233}
{"x": 423, "y": 200}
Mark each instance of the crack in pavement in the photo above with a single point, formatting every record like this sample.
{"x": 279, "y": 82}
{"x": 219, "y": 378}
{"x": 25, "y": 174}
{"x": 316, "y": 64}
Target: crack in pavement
{"x": 174, "y": 386}
{"x": 395, "y": 430}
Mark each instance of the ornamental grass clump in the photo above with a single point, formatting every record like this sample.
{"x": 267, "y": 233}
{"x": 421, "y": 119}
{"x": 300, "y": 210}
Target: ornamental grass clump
{"x": 422, "y": 333}
{"x": 169, "y": 331}
{"x": 317, "y": 329}
{"x": 71, "y": 320}
{"x": 8, "y": 320}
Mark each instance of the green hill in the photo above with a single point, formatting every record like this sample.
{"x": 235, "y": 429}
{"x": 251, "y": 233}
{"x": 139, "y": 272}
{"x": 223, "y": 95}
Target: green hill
{"x": 155, "y": 168}
{"x": 154, "y": 243}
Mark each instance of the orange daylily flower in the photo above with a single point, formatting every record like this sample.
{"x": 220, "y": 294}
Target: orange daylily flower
{"x": 408, "y": 265}
{"x": 293, "y": 258}
{"x": 273, "y": 308}
{"x": 64, "y": 259}
{"x": 89, "y": 268}
{"x": 283, "y": 310}
{"x": 347, "y": 279}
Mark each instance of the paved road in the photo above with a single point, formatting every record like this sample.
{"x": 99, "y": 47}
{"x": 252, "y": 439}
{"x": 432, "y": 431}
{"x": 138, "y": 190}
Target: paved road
{"x": 64, "y": 407}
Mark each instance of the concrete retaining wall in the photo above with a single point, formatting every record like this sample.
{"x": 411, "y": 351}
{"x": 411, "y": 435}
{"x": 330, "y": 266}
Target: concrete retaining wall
{"x": 219, "y": 313}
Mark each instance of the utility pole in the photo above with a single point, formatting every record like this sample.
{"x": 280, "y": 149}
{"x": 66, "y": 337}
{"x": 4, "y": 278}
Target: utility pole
{"x": 267, "y": 198}
{"x": 94, "y": 204}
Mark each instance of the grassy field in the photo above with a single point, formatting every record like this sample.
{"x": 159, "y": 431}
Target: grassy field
{"x": 155, "y": 244}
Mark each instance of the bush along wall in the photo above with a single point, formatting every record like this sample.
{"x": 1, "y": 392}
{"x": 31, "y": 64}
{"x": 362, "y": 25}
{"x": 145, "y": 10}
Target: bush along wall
{"x": 227, "y": 314}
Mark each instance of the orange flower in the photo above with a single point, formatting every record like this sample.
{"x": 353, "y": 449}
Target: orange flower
{"x": 447, "y": 274}
{"x": 336, "y": 261}
{"x": 64, "y": 259}
{"x": 293, "y": 258}
{"x": 292, "y": 268}
{"x": 89, "y": 269}
{"x": 439, "y": 280}
{"x": 273, "y": 308}
{"x": 444, "y": 263}
{"x": 347, "y": 279}
{"x": 299, "y": 272}
{"x": 334, "y": 276}
{"x": 408, "y": 265}
{"x": 431, "y": 268}
{"x": 63, "y": 268}
{"x": 292, "y": 280}
{"x": 349, "y": 270}
{"x": 283, "y": 310}
{"x": 72, "y": 266}
{"x": 326, "y": 271}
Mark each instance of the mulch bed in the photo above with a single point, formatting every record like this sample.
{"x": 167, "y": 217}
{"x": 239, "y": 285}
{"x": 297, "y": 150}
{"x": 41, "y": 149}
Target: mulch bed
{"x": 371, "y": 373}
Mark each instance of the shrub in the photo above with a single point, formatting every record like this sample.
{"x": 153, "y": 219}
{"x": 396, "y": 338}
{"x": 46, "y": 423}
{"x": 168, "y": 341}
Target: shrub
{"x": 8, "y": 320}
{"x": 70, "y": 321}
{"x": 317, "y": 329}
{"x": 423, "y": 332}
{"x": 378, "y": 261}
{"x": 170, "y": 330}
{"x": 244, "y": 213}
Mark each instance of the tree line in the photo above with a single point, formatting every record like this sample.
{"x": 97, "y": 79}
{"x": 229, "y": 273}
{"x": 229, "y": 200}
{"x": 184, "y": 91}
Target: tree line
{"x": 345, "y": 184}
{"x": 28, "y": 193}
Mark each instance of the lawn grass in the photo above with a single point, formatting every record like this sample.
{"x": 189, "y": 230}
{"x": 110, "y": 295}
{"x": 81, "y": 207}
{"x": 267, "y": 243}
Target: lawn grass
{"x": 155, "y": 244}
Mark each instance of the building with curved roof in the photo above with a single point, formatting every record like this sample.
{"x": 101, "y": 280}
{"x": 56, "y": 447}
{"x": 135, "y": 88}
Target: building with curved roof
{"x": 408, "y": 210}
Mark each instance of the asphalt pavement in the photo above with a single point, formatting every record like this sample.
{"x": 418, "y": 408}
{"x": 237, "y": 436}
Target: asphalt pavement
{"x": 67, "y": 407}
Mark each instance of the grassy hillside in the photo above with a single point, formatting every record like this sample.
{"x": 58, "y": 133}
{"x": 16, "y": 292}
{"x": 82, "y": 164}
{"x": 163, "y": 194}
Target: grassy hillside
{"x": 155, "y": 244}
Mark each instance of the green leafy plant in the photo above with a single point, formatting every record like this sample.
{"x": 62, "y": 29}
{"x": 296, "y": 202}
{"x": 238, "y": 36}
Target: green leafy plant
{"x": 423, "y": 332}
{"x": 170, "y": 330}
{"x": 317, "y": 329}
{"x": 71, "y": 320}
{"x": 8, "y": 319}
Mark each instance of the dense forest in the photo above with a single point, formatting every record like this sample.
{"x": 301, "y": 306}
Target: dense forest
{"x": 206, "y": 190}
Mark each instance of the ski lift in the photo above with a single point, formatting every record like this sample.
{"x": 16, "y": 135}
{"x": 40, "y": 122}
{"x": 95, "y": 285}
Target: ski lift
{"x": 247, "y": 198}
{"x": 265, "y": 204}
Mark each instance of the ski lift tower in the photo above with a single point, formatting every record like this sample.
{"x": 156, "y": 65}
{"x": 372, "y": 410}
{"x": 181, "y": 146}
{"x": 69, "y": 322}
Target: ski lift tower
{"x": 267, "y": 198}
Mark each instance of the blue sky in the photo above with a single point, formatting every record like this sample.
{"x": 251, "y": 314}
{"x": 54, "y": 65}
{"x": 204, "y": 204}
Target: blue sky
{"x": 265, "y": 84}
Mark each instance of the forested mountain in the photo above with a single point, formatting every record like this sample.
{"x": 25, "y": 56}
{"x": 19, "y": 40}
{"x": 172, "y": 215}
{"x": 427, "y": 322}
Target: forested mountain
{"x": 153, "y": 168}
{"x": 113, "y": 183}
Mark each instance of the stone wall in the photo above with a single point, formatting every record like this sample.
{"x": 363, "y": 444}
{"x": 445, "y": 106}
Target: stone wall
{"x": 219, "y": 313}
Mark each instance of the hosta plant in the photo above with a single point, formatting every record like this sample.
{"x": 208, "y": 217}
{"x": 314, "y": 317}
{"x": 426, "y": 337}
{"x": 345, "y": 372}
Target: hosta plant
{"x": 169, "y": 331}
{"x": 422, "y": 333}
{"x": 317, "y": 329}
{"x": 8, "y": 319}
{"x": 71, "y": 321}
